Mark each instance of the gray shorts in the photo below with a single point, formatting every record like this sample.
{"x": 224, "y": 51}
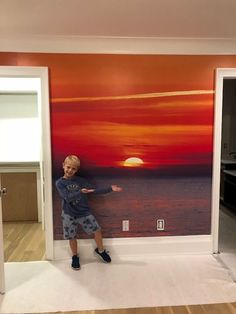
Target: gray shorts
{"x": 70, "y": 225}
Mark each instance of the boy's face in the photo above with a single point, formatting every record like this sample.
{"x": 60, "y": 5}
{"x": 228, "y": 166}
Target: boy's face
{"x": 70, "y": 168}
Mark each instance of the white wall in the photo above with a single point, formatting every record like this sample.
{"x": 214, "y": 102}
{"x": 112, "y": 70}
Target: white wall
{"x": 20, "y": 127}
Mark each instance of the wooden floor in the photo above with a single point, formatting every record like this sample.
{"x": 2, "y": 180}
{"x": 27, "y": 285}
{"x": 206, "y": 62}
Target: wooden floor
{"x": 225, "y": 308}
{"x": 23, "y": 242}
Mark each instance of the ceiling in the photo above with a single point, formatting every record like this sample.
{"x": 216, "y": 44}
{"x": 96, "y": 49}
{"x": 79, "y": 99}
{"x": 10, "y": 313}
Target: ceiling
{"x": 119, "y": 18}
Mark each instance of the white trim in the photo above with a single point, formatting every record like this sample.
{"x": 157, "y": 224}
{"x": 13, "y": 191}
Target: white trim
{"x": 118, "y": 45}
{"x": 140, "y": 247}
{"x": 221, "y": 73}
{"x": 18, "y": 169}
{"x": 46, "y": 163}
{"x": 2, "y": 271}
{"x": 39, "y": 198}
{"x": 43, "y": 96}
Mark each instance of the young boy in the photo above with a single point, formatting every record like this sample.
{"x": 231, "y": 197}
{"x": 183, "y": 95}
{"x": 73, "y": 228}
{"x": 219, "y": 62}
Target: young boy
{"x": 75, "y": 209}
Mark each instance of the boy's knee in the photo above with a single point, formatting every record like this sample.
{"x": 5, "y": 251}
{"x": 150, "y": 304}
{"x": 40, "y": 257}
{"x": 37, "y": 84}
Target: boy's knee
{"x": 98, "y": 232}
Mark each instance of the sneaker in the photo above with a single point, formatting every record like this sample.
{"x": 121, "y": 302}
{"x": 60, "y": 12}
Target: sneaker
{"x": 105, "y": 257}
{"x": 75, "y": 262}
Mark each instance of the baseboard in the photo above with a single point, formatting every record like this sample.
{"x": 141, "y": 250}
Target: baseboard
{"x": 138, "y": 247}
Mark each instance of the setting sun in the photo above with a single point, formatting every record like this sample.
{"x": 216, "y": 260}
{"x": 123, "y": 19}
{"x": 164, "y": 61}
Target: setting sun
{"x": 133, "y": 162}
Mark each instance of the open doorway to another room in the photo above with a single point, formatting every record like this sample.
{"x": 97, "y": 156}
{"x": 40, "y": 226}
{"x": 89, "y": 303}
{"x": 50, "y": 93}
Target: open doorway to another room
{"x": 227, "y": 194}
{"x": 25, "y": 166}
{"x": 22, "y": 210}
{"x": 227, "y": 226}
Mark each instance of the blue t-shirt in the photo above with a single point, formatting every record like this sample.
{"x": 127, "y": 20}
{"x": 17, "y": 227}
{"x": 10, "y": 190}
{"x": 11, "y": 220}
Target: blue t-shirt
{"x": 74, "y": 202}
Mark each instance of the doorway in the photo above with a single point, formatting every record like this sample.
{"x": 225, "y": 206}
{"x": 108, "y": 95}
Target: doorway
{"x": 34, "y": 80}
{"x": 224, "y": 165}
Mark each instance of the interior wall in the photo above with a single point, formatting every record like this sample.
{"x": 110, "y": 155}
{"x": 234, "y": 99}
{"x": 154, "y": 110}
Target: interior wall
{"x": 171, "y": 101}
{"x": 19, "y": 127}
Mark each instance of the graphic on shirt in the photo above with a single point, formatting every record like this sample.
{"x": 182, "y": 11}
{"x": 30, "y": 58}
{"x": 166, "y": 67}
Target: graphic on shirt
{"x": 73, "y": 187}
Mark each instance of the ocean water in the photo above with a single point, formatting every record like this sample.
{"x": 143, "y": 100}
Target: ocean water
{"x": 183, "y": 202}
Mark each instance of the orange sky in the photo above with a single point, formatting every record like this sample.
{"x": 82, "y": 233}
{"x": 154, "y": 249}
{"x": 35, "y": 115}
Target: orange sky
{"x": 115, "y": 110}
{"x": 162, "y": 131}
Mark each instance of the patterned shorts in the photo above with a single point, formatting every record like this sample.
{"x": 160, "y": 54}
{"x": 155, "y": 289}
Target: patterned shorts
{"x": 70, "y": 225}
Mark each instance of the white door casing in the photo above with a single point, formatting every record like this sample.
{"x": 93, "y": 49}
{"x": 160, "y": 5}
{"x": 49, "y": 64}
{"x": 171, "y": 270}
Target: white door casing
{"x": 2, "y": 275}
{"x": 221, "y": 74}
{"x": 45, "y": 162}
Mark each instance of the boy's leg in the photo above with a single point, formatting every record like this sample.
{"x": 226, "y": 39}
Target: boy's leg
{"x": 73, "y": 246}
{"x": 70, "y": 225}
{"x": 103, "y": 254}
{"x": 90, "y": 225}
{"x": 75, "y": 258}
{"x": 98, "y": 239}
{"x": 75, "y": 264}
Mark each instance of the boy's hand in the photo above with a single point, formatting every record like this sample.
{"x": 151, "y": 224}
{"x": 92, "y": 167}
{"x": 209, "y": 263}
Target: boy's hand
{"x": 85, "y": 191}
{"x": 116, "y": 188}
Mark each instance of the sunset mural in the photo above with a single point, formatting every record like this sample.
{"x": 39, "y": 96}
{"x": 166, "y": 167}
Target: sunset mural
{"x": 165, "y": 131}
{"x": 156, "y": 145}
{"x": 144, "y": 122}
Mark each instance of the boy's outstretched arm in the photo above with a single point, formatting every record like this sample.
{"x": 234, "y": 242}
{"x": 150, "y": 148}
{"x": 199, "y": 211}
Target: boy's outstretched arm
{"x": 116, "y": 188}
{"x": 85, "y": 190}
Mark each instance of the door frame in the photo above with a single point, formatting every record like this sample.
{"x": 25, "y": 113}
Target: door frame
{"x": 220, "y": 75}
{"x": 45, "y": 162}
{"x": 2, "y": 273}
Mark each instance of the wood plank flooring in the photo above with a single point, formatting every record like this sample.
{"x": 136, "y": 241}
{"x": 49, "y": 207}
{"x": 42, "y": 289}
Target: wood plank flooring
{"x": 23, "y": 242}
{"x": 221, "y": 308}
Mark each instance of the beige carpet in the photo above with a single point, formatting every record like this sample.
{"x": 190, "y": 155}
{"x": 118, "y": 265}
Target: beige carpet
{"x": 53, "y": 286}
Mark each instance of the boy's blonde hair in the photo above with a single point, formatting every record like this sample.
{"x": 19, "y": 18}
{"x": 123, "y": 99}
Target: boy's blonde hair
{"x": 74, "y": 159}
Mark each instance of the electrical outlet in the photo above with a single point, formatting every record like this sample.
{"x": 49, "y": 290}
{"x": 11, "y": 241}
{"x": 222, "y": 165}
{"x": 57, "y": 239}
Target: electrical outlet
{"x": 160, "y": 224}
{"x": 125, "y": 225}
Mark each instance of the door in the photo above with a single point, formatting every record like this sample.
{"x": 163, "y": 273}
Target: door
{"x": 20, "y": 204}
